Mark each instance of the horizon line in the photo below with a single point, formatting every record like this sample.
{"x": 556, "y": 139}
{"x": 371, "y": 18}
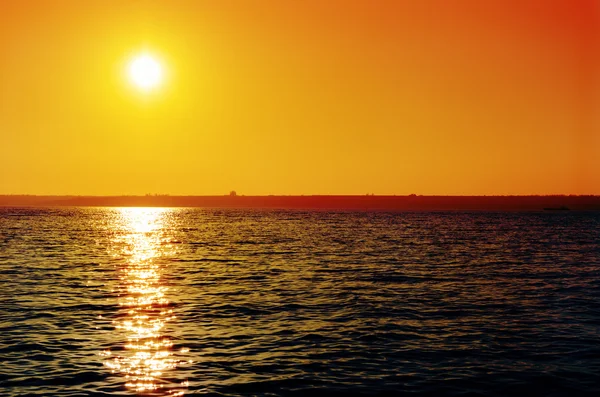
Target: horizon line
{"x": 300, "y": 195}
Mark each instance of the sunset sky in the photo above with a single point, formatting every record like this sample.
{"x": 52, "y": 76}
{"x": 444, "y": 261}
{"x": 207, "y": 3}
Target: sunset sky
{"x": 301, "y": 97}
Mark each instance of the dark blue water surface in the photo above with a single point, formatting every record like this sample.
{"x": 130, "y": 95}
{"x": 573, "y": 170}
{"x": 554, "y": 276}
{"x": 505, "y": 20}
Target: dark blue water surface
{"x": 108, "y": 301}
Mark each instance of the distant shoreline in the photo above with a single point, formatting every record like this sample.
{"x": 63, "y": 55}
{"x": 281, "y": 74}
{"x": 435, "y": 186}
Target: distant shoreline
{"x": 324, "y": 202}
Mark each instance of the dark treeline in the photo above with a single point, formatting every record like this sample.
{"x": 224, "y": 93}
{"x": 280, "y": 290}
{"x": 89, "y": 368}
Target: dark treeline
{"x": 394, "y": 203}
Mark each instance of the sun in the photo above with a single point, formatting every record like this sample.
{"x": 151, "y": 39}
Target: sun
{"x": 145, "y": 72}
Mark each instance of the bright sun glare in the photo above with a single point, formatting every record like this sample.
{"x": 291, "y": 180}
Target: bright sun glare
{"x": 145, "y": 72}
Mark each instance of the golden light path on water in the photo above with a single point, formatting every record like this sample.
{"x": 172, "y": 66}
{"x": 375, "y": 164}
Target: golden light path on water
{"x": 142, "y": 239}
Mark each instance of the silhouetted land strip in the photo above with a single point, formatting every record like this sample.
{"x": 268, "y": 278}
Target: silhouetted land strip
{"x": 389, "y": 203}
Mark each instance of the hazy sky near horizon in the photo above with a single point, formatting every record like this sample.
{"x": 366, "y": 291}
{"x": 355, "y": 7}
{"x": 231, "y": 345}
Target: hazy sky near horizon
{"x": 301, "y": 97}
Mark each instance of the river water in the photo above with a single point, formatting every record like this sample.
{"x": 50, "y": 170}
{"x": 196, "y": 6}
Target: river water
{"x": 170, "y": 301}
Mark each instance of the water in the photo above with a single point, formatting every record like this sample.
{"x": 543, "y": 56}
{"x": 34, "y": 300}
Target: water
{"x": 99, "y": 301}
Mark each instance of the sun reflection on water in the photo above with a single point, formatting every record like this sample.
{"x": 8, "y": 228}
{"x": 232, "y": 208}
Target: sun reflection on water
{"x": 142, "y": 238}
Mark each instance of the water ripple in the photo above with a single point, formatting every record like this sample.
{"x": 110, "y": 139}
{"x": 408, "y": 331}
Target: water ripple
{"x": 238, "y": 302}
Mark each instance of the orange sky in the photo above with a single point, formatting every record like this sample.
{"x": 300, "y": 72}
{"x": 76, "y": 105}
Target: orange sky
{"x": 301, "y": 97}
